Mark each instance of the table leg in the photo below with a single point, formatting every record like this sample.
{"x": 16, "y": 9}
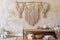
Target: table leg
{"x": 23, "y": 34}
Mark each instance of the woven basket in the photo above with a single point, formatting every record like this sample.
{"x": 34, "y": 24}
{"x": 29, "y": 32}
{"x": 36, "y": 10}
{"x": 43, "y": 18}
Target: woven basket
{"x": 38, "y": 36}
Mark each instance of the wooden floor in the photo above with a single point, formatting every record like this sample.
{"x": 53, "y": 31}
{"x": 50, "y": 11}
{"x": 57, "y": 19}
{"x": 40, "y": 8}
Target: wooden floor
{"x": 17, "y": 38}
{"x": 9, "y": 38}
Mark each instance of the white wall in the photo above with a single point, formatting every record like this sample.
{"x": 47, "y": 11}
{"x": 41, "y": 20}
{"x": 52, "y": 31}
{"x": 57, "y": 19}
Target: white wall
{"x": 10, "y": 20}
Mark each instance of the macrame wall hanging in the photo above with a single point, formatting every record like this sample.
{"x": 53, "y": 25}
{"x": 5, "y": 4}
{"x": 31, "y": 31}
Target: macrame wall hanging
{"x": 20, "y": 8}
{"x": 32, "y": 11}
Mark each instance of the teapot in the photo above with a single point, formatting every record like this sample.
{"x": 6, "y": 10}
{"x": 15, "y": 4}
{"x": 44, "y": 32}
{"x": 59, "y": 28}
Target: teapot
{"x": 45, "y": 26}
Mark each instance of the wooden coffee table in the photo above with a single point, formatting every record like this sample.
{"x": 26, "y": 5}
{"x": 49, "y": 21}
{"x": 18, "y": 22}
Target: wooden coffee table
{"x": 40, "y": 31}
